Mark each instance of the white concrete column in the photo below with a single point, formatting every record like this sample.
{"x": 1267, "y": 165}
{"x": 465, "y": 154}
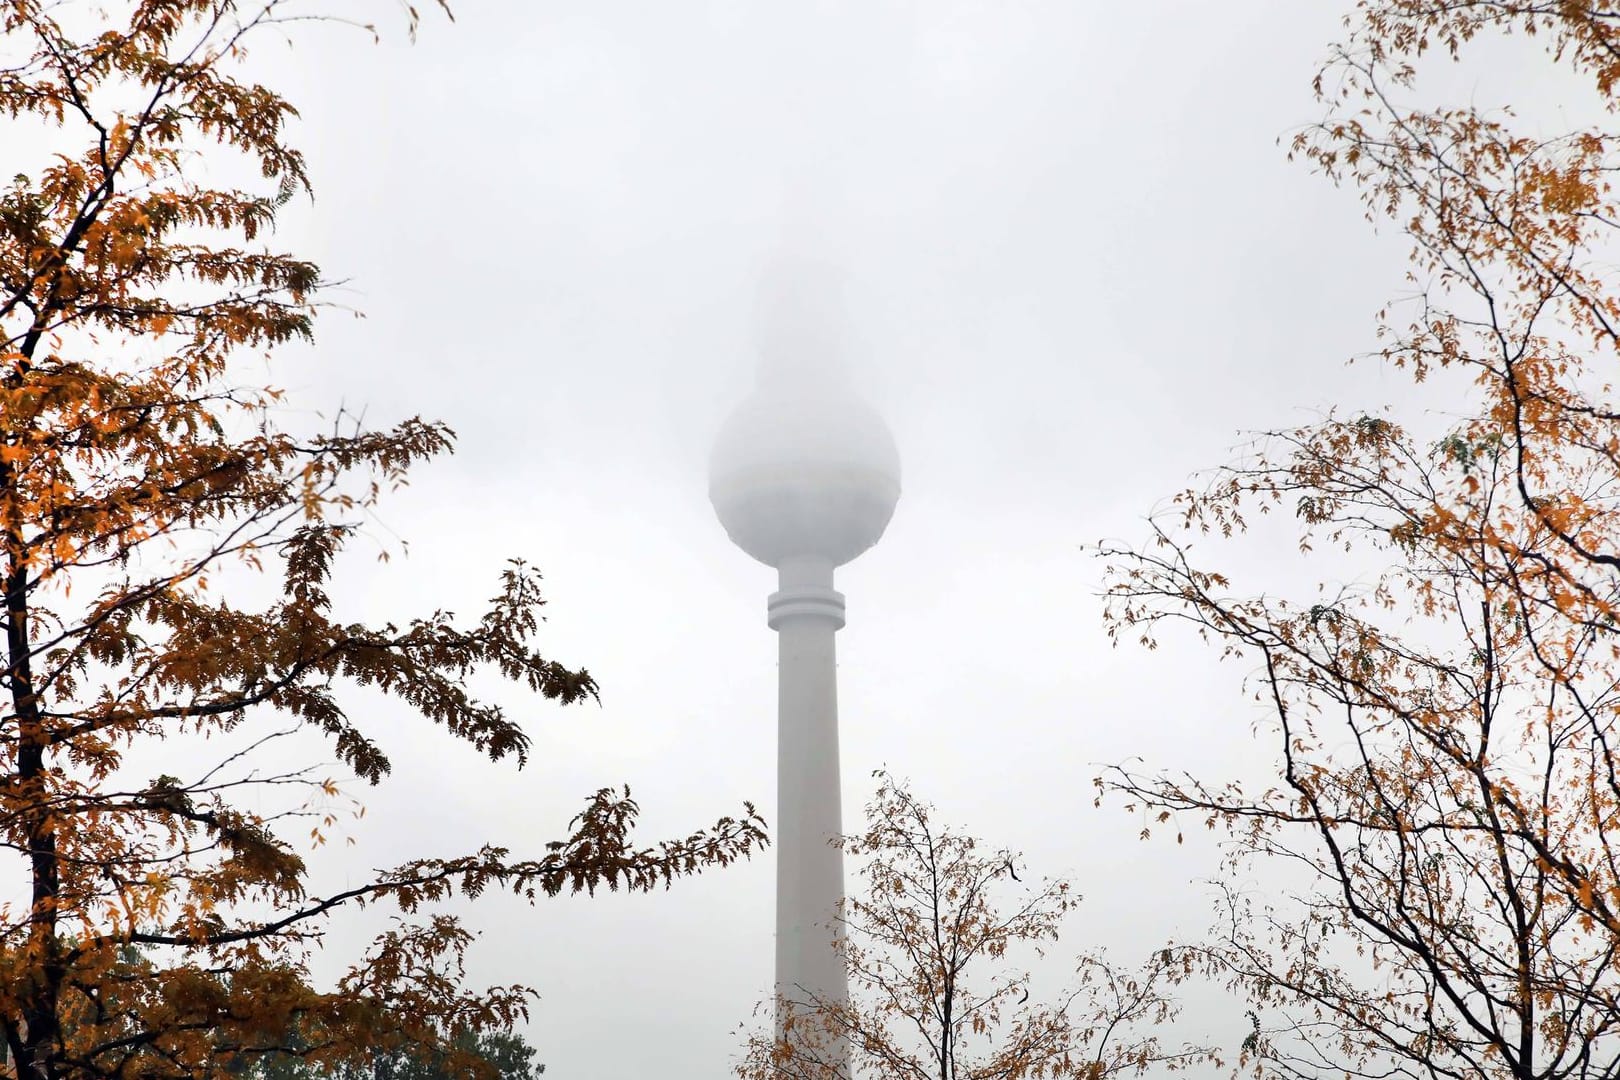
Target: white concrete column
{"x": 805, "y": 613}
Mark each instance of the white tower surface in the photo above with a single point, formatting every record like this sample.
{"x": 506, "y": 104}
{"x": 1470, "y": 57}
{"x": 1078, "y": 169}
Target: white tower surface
{"x": 805, "y": 477}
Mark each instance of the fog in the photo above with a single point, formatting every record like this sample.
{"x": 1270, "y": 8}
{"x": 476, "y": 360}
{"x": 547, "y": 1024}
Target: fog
{"x": 1058, "y": 245}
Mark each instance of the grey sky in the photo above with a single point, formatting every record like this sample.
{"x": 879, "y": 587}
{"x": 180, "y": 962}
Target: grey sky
{"x": 1078, "y": 263}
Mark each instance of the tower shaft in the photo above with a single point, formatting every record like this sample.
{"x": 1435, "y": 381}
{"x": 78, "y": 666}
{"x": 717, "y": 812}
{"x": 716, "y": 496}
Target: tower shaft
{"x": 806, "y": 613}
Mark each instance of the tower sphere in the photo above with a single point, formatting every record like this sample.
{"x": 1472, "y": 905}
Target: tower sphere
{"x": 804, "y": 469}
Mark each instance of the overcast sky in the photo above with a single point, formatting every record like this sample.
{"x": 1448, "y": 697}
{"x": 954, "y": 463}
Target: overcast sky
{"x": 1078, "y": 266}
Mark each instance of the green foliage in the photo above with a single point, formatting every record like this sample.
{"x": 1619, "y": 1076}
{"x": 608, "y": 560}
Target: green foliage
{"x": 490, "y": 1055}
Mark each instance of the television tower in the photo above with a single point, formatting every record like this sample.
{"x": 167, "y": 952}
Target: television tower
{"x": 804, "y": 477}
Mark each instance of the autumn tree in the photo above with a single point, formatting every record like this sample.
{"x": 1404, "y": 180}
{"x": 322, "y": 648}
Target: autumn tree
{"x": 1443, "y": 804}
{"x": 142, "y": 479}
{"x": 930, "y": 942}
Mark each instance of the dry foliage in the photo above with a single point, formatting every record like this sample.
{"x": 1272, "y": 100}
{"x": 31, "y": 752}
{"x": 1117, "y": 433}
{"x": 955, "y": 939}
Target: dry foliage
{"x": 1443, "y": 730}
{"x": 934, "y": 992}
{"x": 136, "y": 473}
